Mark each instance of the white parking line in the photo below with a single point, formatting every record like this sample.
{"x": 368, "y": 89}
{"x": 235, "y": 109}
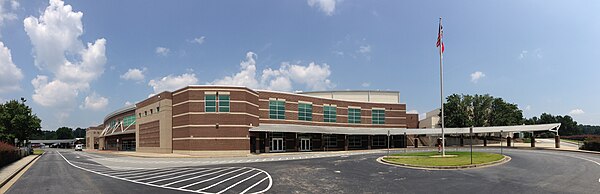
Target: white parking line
{"x": 254, "y": 185}
{"x": 181, "y": 176}
{"x": 211, "y": 186}
{"x": 161, "y": 175}
{"x": 231, "y": 186}
{"x": 211, "y": 178}
{"x": 171, "y": 183}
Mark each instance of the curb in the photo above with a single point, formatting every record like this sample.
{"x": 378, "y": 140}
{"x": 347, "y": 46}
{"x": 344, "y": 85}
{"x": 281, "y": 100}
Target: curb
{"x": 470, "y": 166}
{"x": 555, "y": 149}
{"x": 18, "y": 171}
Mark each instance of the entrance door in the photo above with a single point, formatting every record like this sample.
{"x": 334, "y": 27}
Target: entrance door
{"x": 277, "y": 145}
{"x": 305, "y": 144}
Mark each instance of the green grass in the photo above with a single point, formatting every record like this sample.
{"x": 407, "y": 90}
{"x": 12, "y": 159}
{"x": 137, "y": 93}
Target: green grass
{"x": 463, "y": 158}
{"x": 38, "y": 152}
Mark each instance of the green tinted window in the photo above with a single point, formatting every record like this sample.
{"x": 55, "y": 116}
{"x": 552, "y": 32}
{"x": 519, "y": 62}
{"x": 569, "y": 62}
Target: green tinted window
{"x": 329, "y": 114}
{"x": 223, "y": 103}
{"x": 353, "y": 115}
{"x": 210, "y": 104}
{"x": 277, "y": 109}
{"x": 129, "y": 120}
{"x": 304, "y": 112}
{"x": 378, "y": 116}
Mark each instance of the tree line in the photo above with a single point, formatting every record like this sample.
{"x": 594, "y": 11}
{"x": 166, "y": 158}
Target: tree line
{"x": 60, "y": 133}
{"x": 462, "y": 110}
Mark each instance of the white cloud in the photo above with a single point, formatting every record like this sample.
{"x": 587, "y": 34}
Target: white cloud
{"x": 7, "y": 14}
{"x": 313, "y": 76}
{"x": 54, "y": 93}
{"x": 326, "y": 6}
{"x": 528, "y": 107}
{"x": 576, "y": 112}
{"x": 128, "y": 103}
{"x": 162, "y": 51}
{"x": 10, "y": 74}
{"x": 365, "y": 49}
{"x": 94, "y": 102}
{"x": 170, "y": 82}
{"x": 198, "y": 40}
{"x": 365, "y": 84}
{"x": 475, "y": 76}
{"x": 58, "y": 49}
{"x": 134, "y": 74}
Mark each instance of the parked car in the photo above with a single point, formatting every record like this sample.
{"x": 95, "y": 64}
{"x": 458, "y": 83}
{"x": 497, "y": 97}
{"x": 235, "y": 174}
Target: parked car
{"x": 78, "y": 147}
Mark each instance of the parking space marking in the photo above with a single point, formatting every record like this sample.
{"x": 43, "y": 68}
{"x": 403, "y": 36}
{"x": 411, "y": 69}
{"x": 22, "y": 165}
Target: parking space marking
{"x": 226, "y": 177}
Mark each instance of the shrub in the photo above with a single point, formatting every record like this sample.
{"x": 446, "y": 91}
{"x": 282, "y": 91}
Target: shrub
{"x": 8, "y": 154}
{"x": 592, "y": 144}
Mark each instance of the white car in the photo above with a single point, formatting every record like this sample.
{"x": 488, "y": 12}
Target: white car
{"x": 78, "y": 147}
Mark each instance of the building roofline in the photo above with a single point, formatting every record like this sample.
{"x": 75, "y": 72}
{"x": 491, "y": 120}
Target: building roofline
{"x": 119, "y": 111}
{"x": 310, "y": 96}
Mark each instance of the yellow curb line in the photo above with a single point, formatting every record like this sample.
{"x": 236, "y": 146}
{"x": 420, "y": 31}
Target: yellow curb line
{"x": 465, "y": 167}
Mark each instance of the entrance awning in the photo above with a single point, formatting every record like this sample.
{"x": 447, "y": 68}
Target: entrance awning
{"x": 290, "y": 128}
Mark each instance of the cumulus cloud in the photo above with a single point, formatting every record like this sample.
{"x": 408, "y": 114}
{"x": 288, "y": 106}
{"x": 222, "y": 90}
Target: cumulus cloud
{"x": 58, "y": 49}
{"x": 576, "y": 112}
{"x": 6, "y": 13}
{"x": 198, "y": 40}
{"x": 10, "y": 74}
{"x": 162, "y": 51}
{"x": 326, "y": 6}
{"x": 365, "y": 84}
{"x": 170, "y": 82}
{"x": 523, "y": 54}
{"x": 127, "y": 103}
{"x": 94, "y": 102}
{"x": 54, "y": 93}
{"x": 134, "y": 74}
{"x": 475, "y": 76}
{"x": 313, "y": 76}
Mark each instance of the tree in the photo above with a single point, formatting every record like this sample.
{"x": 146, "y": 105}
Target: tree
{"x": 17, "y": 121}
{"x": 480, "y": 111}
{"x": 79, "y": 133}
{"x": 64, "y": 133}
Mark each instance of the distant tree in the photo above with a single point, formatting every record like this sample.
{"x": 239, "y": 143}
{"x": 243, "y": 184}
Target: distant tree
{"x": 64, "y": 133}
{"x": 480, "y": 111}
{"x": 17, "y": 120}
{"x": 79, "y": 133}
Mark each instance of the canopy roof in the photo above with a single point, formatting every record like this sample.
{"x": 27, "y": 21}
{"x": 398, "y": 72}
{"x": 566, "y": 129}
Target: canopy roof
{"x": 398, "y": 131}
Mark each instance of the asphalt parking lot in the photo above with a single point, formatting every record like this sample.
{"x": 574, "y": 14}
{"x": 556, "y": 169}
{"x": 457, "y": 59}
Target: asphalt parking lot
{"x": 529, "y": 171}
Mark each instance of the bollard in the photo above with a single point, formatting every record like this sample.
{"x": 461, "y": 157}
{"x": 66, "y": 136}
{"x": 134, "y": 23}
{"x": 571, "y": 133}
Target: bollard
{"x": 508, "y": 141}
{"x": 532, "y": 140}
{"x": 557, "y": 141}
{"x": 485, "y": 140}
{"x": 416, "y": 142}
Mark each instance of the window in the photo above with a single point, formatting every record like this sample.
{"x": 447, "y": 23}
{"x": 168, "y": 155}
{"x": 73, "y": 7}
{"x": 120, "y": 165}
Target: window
{"x": 210, "y": 104}
{"x": 223, "y": 103}
{"x": 128, "y": 120}
{"x": 145, "y": 113}
{"x": 330, "y": 141}
{"x": 354, "y": 141}
{"x": 353, "y": 115}
{"x": 276, "y": 109}
{"x": 140, "y": 115}
{"x": 378, "y": 116}
{"x": 151, "y": 111}
{"x": 304, "y": 112}
{"x": 329, "y": 114}
{"x": 157, "y": 109}
{"x": 379, "y": 140}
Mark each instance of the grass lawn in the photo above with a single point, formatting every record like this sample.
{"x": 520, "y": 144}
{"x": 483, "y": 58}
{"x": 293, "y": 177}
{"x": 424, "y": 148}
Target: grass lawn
{"x": 37, "y": 152}
{"x": 463, "y": 158}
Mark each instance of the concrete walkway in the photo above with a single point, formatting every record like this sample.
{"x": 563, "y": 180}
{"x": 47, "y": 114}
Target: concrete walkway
{"x": 8, "y": 172}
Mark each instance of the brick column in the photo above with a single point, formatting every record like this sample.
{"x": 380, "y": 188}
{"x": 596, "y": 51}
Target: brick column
{"x": 508, "y": 141}
{"x": 557, "y": 141}
{"x": 532, "y": 140}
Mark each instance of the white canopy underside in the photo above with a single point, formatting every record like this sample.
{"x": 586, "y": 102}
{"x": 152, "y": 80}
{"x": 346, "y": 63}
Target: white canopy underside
{"x": 289, "y": 128}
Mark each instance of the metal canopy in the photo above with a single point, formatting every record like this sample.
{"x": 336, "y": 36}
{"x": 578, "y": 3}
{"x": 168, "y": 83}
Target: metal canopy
{"x": 290, "y": 128}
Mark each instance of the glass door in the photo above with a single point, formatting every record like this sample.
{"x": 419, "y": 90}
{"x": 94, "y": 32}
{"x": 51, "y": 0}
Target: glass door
{"x": 277, "y": 145}
{"x": 305, "y": 144}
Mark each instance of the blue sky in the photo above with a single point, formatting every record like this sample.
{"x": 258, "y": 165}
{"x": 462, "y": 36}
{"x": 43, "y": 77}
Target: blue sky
{"x": 76, "y": 61}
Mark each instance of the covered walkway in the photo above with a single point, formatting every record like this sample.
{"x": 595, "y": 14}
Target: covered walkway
{"x": 289, "y": 137}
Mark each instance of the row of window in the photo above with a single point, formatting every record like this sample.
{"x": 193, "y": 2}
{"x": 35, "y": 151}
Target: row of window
{"x": 277, "y": 111}
{"x": 151, "y": 112}
{"x": 214, "y": 102}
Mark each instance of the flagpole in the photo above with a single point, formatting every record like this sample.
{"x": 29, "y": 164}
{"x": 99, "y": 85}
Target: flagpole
{"x": 442, "y": 90}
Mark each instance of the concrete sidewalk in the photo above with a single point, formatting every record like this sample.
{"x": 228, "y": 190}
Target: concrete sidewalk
{"x": 8, "y": 172}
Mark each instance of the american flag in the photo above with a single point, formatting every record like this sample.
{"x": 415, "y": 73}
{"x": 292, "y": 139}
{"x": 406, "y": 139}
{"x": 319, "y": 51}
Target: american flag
{"x": 440, "y": 36}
